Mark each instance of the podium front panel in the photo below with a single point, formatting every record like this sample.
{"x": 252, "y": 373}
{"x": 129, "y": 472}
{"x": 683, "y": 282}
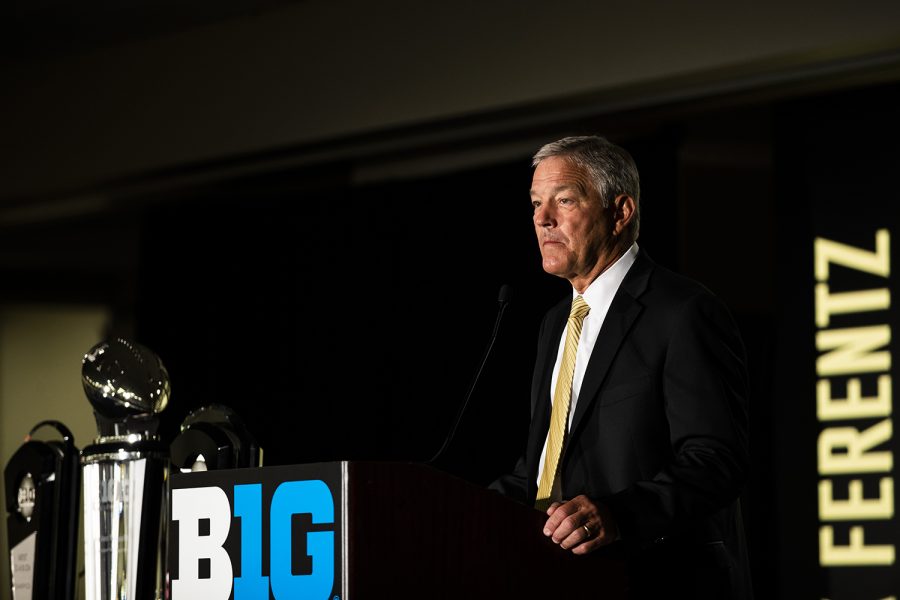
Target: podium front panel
{"x": 273, "y": 532}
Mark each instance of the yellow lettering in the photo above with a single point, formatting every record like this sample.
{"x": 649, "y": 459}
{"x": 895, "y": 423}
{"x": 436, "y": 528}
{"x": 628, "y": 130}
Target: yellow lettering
{"x": 877, "y": 263}
{"x": 855, "y": 406}
{"x": 828, "y": 304}
{"x": 850, "y": 350}
{"x": 854, "y": 554}
{"x": 855, "y": 458}
{"x": 856, "y": 506}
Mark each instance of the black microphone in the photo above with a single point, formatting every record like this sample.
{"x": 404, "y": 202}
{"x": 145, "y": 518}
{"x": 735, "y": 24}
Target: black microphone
{"x": 503, "y": 298}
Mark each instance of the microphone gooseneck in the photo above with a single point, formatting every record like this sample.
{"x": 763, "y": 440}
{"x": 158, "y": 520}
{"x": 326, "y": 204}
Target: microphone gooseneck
{"x": 503, "y": 298}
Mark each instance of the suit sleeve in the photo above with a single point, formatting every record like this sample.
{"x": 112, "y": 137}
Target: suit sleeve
{"x": 705, "y": 394}
{"x": 514, "y": 484}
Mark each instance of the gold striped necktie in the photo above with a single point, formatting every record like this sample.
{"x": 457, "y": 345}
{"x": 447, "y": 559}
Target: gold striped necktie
{"x": 559, "y": 418}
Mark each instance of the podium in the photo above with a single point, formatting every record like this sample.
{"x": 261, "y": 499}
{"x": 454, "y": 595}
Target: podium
{"x": 368, "y": 530}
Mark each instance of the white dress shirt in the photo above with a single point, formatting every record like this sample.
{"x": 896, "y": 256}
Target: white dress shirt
{"x": 598, "y": 295}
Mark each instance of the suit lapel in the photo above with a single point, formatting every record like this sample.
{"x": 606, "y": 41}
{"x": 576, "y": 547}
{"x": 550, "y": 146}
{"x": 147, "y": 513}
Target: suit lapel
{"x": 622, "y": 313}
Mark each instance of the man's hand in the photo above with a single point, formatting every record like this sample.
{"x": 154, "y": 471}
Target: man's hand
{"x": 580, "y": 525}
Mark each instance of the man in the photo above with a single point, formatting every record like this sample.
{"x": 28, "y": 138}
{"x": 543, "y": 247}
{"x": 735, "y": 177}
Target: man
{"x": 643, "y": 373}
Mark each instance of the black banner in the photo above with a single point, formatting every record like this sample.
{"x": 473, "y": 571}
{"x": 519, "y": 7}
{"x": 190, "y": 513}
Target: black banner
{"x": 835, "y": 435}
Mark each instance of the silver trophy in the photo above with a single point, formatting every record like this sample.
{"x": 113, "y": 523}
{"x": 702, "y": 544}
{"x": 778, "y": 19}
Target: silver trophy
{"x": 125, "y": 473}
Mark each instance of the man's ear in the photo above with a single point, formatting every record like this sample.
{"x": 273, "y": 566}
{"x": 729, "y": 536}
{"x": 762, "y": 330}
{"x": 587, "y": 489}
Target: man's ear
{"x": 623, "y": 212}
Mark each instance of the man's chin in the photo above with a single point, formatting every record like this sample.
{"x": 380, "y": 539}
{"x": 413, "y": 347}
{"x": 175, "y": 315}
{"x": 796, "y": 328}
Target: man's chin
{"x": 553, "y": 268}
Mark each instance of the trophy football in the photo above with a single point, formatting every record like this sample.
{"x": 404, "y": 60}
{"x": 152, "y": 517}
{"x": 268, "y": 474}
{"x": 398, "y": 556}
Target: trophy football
{"x": 125, "y": 473}
{"x": 214, "y": 437}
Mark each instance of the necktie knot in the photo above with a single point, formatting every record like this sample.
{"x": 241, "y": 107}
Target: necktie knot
{"x": 580, "y": 309}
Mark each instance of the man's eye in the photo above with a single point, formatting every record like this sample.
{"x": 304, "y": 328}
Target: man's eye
{"x": 565, "y": 200}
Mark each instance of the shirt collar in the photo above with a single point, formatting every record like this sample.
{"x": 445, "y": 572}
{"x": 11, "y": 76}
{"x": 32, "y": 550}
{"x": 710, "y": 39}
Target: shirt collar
{"x": 602, "y": 289}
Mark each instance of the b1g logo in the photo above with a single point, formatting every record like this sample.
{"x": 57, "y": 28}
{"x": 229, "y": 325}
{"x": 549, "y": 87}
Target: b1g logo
{"x": 204, "y": 517}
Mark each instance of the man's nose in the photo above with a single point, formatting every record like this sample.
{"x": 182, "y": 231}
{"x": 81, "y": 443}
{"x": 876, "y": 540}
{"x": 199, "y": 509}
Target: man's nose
{"x": 544, "y": 216}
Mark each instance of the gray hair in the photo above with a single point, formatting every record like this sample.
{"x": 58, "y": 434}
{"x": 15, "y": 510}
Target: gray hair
{"x": 611, "y": 168}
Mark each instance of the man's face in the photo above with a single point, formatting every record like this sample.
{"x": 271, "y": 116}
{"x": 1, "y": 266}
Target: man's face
{"x": 573, "y": 229}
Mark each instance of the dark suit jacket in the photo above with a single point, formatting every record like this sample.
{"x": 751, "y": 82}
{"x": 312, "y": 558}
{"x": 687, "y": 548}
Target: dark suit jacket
{"x": 659, "y": 433}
